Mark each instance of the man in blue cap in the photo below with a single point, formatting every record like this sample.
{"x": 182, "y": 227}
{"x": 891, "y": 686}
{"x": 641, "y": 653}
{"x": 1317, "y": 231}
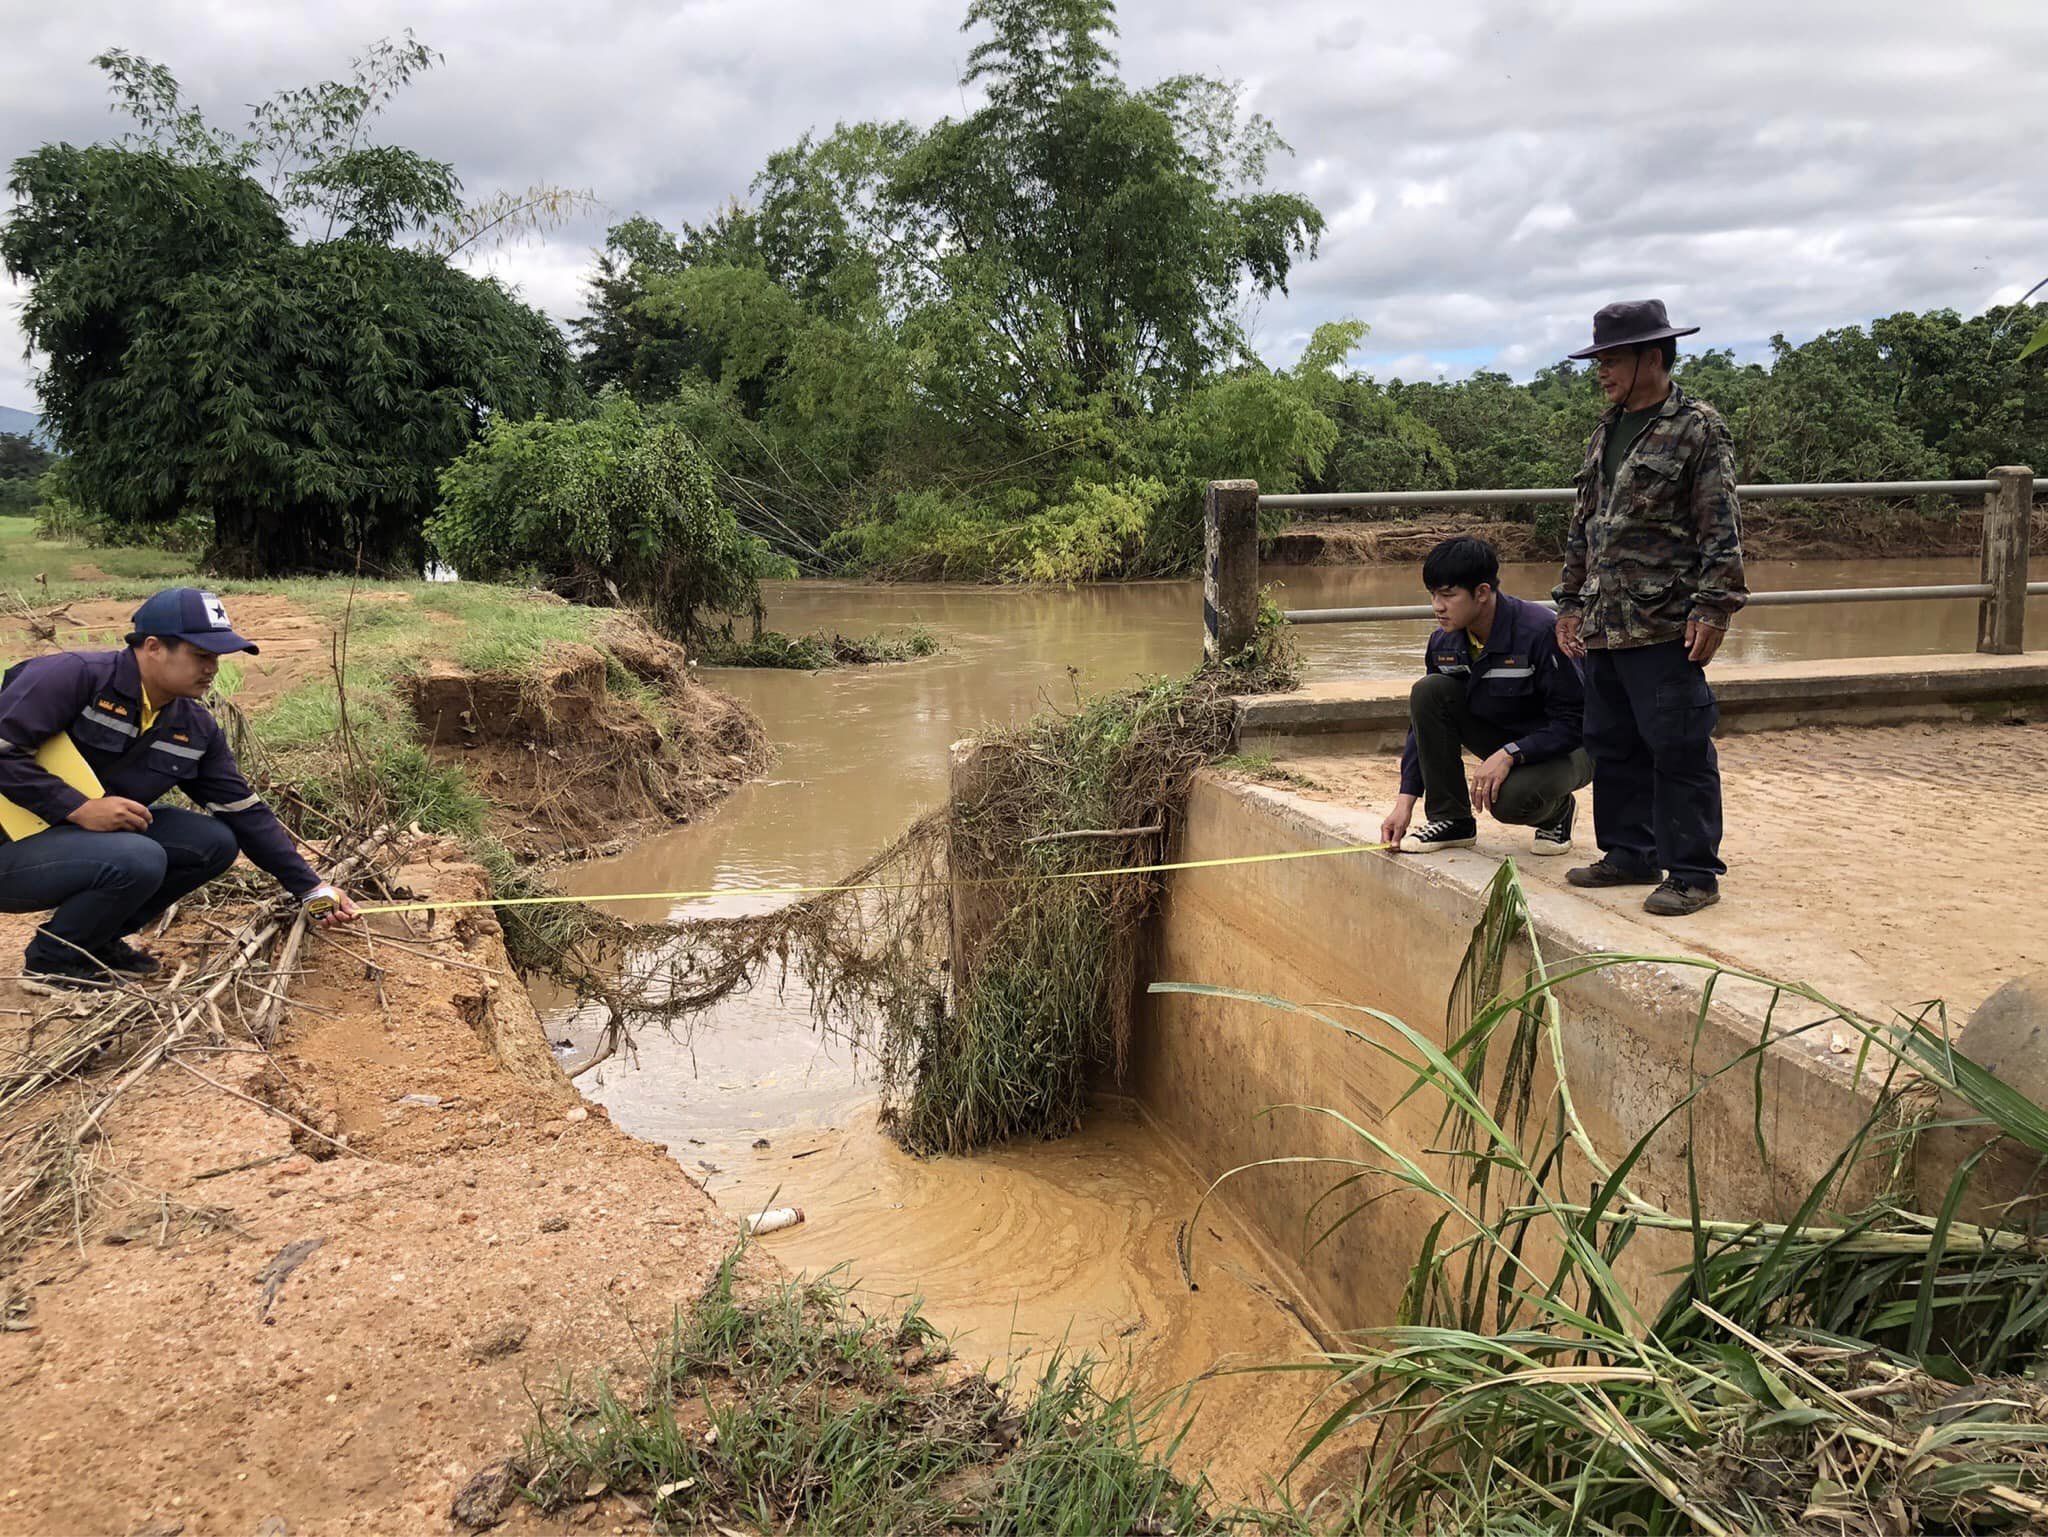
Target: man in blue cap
{"x": 109, "y": 860}
{"x": 1652, "y": 577}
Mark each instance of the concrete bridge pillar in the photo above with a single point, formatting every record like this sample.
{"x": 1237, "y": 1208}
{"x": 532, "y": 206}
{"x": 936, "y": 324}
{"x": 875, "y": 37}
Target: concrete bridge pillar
{"x": 2008, "y": 516}
{"x": 1230, "y": 576}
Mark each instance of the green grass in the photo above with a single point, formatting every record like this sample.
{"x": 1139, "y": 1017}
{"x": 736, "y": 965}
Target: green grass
{"x": 130, "y": 573}
{"x": 790, "y": 1409}
{"x": 295, "y": 737}
{"x": 817, "y": 650}
{"x": 1794, "y": 1376}
{"x": 1261, "y": 766}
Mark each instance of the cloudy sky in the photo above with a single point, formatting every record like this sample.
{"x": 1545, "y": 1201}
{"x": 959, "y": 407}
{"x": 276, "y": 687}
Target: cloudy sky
{"x": 1492, "y": 170}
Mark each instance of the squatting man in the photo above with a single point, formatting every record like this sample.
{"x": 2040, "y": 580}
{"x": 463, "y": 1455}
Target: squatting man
{"x": 1652, "y": 576}
{"x": 88, "y": 742}
{"x": 1496, "y": 684}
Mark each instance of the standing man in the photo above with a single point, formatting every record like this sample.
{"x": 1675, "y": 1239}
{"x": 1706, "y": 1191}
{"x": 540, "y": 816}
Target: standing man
{"x": 1652, "y": 576}
{"x": 88, "y": 840}
{"x": 1495, "y": 684}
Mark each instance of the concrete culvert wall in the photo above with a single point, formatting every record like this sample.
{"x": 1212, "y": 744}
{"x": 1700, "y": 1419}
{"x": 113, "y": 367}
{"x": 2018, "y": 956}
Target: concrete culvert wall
{"x": 1390, "y": 934}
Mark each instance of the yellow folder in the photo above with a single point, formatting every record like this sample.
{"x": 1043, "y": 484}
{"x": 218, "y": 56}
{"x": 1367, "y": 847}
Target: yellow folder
{"x": 59, "y": 756}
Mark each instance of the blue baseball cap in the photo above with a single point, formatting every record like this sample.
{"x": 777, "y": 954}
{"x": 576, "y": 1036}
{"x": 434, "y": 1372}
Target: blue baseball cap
{"x": 187, "y": 614}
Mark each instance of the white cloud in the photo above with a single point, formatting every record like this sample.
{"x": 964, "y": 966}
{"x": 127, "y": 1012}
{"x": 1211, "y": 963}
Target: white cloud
{"x": 1412, "y": 366}
{"x": 1490, "y": 176}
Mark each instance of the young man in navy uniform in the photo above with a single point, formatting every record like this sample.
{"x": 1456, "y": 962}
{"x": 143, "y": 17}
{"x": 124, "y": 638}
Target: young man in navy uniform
{"x": 109, "y": 864}
{"x": 1496, "y": 684}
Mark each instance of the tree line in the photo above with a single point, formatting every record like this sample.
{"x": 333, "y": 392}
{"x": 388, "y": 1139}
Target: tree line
{"x": 1008, "y": 345}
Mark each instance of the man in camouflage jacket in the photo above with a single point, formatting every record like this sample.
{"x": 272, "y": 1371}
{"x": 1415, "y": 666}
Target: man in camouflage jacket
{"x": 1652, "y": 576}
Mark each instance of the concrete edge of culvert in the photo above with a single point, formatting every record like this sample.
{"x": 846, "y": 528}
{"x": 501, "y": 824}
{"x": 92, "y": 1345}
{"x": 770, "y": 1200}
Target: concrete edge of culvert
{"x": 1389, "y": 933}
{"x": 1570, "y": 928}
{"x": 1755, "y": 696}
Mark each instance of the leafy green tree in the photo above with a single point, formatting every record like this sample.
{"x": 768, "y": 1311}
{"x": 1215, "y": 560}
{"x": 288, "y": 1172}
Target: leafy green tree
{"x": 1075, "y": 236}
{"x": 1496, "y": 432}
{"x": 995, "y": 319}
{"x": 1830, "y": 414}
{"x": 22, "y": 457}
{"x": 612, "y": 508}
{"x": 1959, "y": 384}
{"x": 302, "y": 396}
{"x": 623, "y": 341}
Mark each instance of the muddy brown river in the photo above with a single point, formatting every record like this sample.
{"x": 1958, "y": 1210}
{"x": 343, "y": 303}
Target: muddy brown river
{"x": 1069, "y": 1244}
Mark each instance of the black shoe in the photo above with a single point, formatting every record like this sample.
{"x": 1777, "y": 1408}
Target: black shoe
{"x": 119, "y": 955}
{"x": 1450, "y": 833}
{"x": 1606, "y": 872}
{"x": 1555, "y": 836}
{"x": 1675, "y": 899}
{"x": 73, "y": 974}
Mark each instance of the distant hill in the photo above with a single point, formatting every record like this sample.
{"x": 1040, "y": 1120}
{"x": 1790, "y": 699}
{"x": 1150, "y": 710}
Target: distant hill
{"x": 24, "y": 423}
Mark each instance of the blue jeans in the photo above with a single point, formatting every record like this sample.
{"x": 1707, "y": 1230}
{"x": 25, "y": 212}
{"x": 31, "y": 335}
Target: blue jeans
{"x": 105, "y": 886}
{"x": 1650, "y": 720}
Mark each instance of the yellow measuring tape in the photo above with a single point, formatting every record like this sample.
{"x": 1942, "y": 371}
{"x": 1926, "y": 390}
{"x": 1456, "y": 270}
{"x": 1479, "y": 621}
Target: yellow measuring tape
{"x": 812, "y": 891}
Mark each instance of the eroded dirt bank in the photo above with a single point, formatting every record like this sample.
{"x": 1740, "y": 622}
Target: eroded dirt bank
{"x": 465, "y": 1252}
{"x": 574, "y": 728}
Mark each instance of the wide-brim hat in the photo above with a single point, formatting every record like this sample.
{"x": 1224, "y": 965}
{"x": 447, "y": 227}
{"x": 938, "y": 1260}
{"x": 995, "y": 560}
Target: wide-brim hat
{"x": 1631, "y": 323}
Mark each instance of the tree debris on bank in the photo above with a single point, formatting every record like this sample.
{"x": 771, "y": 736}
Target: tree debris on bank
{"x": 1007, "y": 1049}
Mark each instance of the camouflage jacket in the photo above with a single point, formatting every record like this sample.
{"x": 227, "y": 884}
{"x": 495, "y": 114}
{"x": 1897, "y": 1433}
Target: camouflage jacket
{"x": 1666, "y": 544}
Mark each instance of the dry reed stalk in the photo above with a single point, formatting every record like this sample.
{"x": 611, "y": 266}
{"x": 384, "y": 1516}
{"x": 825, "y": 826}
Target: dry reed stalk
{"x": 47, "y": 1169}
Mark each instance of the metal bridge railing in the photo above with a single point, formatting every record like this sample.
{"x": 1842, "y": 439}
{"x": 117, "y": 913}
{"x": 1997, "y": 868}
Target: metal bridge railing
{"x": 1230, "y": 596}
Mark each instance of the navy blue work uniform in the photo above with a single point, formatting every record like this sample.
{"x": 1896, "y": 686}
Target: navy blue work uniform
{"x": 104, "y": 886}
{"x": 1519, "y": 693}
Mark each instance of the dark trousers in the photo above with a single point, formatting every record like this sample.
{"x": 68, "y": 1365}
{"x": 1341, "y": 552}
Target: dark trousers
{"x": 1650, "y": 720}
{"x": 1446, "y": 728}
{"x": 104, "y": 886}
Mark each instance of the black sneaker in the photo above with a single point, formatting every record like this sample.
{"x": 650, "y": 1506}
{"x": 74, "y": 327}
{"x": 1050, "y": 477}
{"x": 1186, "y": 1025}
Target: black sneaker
{"x": 1675, "y": 899}
{"x": 119, "y": 955}
{"x": 1451, "y": 833}
{"x": 73, "y": 974}
{"x": 1605, "y": 872}
{"x": 1555, "y": 836}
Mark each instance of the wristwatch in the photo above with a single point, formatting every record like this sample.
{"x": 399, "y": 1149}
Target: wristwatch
{"x": 1514, "y": 751}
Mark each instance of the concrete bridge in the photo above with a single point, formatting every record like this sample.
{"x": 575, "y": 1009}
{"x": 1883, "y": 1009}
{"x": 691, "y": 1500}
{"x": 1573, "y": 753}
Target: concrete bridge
{"x": 1886, "y": 845}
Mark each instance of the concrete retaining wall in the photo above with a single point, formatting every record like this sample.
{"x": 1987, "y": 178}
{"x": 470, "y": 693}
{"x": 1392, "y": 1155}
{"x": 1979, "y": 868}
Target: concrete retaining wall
{"x": 1388, "y": 934}
{"x": 1372, "y": 714}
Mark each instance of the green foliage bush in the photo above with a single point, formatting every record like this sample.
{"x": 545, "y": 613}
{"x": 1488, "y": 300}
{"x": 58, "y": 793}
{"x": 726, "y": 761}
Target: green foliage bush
{"x": 926, "y": 536}
{"x": 615, "y": 507}
{"x": 60, "y": 516}
{"x": 817, "y": 650}
{"x": 1097, "y": 531}
{"x": 18, "y": 498}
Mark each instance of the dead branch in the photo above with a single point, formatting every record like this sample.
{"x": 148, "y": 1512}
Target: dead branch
{"x": 1095, "y": 832}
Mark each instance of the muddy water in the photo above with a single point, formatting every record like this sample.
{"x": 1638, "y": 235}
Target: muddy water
{"x": 1071, "y": 1241}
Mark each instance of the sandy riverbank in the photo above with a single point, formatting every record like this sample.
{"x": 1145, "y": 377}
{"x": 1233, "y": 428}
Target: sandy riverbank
{"x": 468, "y": 1252}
